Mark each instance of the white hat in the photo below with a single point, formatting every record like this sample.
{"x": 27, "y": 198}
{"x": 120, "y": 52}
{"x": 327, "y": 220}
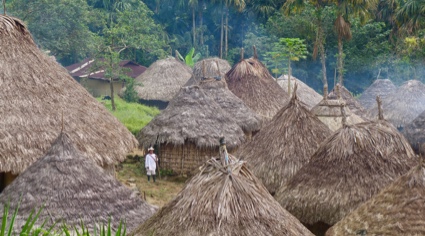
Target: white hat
{"x": 151, "y": 148}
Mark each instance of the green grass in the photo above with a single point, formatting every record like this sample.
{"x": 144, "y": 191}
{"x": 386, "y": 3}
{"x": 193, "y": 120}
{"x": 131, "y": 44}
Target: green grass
{"x": 133, "y": 115}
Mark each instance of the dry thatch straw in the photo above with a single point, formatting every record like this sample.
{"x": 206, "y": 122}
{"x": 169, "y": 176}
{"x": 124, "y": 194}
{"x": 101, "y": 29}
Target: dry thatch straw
{"x": 222, "y": 200}
{"x": 380, "y": 87}
{"x": 190, "y": 128}
{"x": 207, "y": 68}
{"x": 350, "y": 101}
{"x": 248, "y": 120}
{"x": 415, "y": 133}
{"x": 329, "y": 112}
{"x": 35, "y": 91}
{"x": 251, "y": 81}
{"x": 162, "y": 80}
{"x": 348, "y": 168}
{"x": 275, "y": 152}
{"x": 306, "y": 94}
{"x": 396, "y": 210}
{"x": 71, "y": 187}
{"x": 404, "y": 105}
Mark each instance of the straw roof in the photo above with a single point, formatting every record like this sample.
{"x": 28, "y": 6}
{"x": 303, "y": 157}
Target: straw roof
{"x": 415, "y": 133}
{"x": 207, "y": 68}
{"x": 396, "y": 210}
{"x": 251, "y": 81}
{"x": 350, "y": 101}
{"x": 34, "y": 92}
{"x": 306, "y": 94}
{"x": 162, "y": 80}
{"x": 404, "y": 105}
{"x": 192, "y": 116}
{"x": 71, "y": 187}
{"x": 274, "y": 152}
{"x": 217, "y": 202}
{"x": 347, "y": 169}
{"x": 380, "y": 87}
{"x": 329, "y": 112}
{"x": 248, "y": 120}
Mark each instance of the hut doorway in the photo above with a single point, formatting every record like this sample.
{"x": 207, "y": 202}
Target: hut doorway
{"x": 318, "y": 228}
{"x": 5, "y": 179}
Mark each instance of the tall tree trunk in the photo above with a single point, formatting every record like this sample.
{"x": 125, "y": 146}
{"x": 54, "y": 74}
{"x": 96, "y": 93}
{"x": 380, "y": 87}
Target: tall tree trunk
{"x": 111, "y": 86}
{"x": 221, "y": 31}
{"x": 226, "y": 33}
{"x": 322, "y": 59}
{"x": 289, "y": 76}
{"x": 201, "y": 22}
{"x": 340, "y": 61}
{"x": 194, "y": 26}
{"x": 4, "y": 7}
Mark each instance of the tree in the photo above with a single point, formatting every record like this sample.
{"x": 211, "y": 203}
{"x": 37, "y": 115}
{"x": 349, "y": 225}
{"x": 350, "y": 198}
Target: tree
{"x": 129, "y": 27}
{"x": 293, "y": 49}
{"x": 319, "y": 45}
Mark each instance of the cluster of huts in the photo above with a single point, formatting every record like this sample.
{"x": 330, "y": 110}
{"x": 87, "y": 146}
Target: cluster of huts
{"x": 293, "y": 163}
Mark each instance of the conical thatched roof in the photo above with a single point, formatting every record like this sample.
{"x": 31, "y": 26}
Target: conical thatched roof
{"x": 350, "y": 101}
{"x": 347, "y": 169}
{"x": 34, "y": 92}
{"x": 404, "y": 105}
{"x": 329, "y": 112}
{"x": 306, "y": 94}
{"x": 248, "y": 120}
{"x": 275, "y": 152}
{"x": 217, "y": 202}
{"x": 207, "y": 68}
{"x": 251, "y": 81}
{"x": 380, "y": 87}
{"x": 399, "y": 209}
{"x": 192, "y": 116}
{"x": 415, "y": 133}
{"x": 73, "y": 188}
{"x": 162, "y": 80}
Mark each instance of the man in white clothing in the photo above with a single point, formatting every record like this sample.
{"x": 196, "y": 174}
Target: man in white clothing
{"x": 150, "y": 164}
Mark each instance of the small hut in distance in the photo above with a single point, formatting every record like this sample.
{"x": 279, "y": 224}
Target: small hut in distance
{"x": 72, "y": 190}
{"x": 161, "y": 82}
{"x": 216, "y": 87}
{"x": 329, "y": 112}
{"x": 306, "y": 94}
{"x": 186, "y": 132}
{"x": 222, "y": 199}
{"x": 415, "y": 133}
{"x": 380, "y": 87}
{"x": 350, "y": 101}
{"x": 250, "y": 80}
{"x": 208, "y": 68}
{"x": 274, "y": 152}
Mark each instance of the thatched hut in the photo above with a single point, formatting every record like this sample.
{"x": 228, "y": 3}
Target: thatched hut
{"x": 34, "y": 93}
{"x": 404, "y": 105}
{"x": 222, "y": 199}
{"x": 415, "y": 133}
{"x": 209, "y": 68}
{"x": 329, "y": 112}
{"x": 397, "y": 210}
{"x": 274, "y": 153}
{"x": 350, "y": 101}
{"x": 348, "y": 168}
{"x": 380, "y": 87}
{"x": 72, "y": 188}
{"x": 161, "y": 82}
{"x": 305, "y": 93}
{"x": 250, "y": 80}
{"x": 188, "y": 129}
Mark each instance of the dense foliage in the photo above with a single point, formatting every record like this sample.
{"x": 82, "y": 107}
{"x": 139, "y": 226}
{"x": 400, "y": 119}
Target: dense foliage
{"x": 360, "y": 41}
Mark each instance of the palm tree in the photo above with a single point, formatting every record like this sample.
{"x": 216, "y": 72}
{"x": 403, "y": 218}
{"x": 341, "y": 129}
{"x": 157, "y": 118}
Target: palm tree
{"x": 346, "y": 8}
{"x": 319, "y": 47}
{"x": 411, "y": 15}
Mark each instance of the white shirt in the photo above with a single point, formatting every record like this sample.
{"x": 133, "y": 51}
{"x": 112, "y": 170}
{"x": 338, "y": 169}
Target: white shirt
{"x": 151, "y": 161}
